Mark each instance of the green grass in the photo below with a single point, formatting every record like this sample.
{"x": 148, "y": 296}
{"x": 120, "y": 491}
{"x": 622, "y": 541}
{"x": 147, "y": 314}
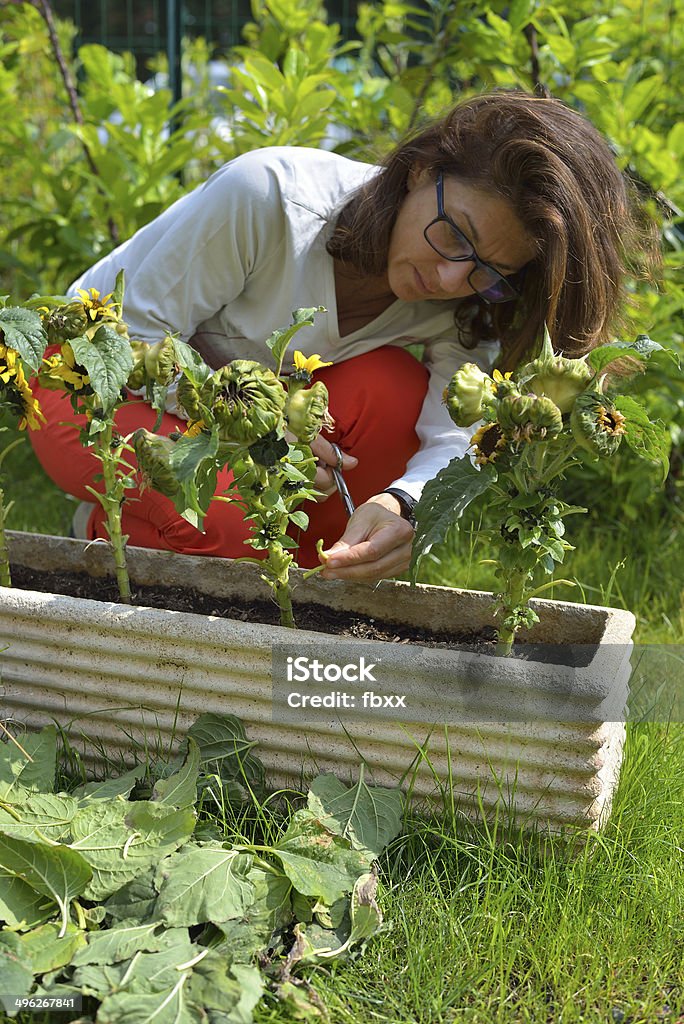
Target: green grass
{"x": 485, "y": 925}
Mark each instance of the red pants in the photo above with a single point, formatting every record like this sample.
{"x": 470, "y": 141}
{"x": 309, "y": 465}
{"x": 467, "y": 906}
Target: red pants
{"x": 375, "y": 400}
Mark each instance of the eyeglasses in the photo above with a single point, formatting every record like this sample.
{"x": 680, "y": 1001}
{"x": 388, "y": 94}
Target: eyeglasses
{"x": 450, "y": 242}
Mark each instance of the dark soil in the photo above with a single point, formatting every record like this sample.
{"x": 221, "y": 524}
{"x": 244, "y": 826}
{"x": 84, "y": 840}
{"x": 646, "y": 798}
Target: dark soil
{"x": 307, "y": 616}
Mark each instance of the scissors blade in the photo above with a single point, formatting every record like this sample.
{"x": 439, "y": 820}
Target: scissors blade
{"x": 346, "y": 497}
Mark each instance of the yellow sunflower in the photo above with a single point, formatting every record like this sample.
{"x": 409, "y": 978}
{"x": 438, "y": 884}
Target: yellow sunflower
{"x": 8, "y": 363}
{"x": 500, "y": 378}
{"x": 308, "y": 363}
{"x": 194, "y": 428}
{"x": 22, "y": 401}
{"x": 487, "y": 441}
{"x": 97, "y": 308}
{"x": 63, "y": 371}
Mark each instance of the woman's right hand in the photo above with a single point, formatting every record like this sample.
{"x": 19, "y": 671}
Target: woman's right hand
{"x": 326, "y": 457}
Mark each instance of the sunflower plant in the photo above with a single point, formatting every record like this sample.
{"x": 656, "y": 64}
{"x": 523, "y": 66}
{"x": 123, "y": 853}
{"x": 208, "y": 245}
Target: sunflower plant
{"x": 22, "y": 343}
{"x": 90, "y": 358}
{"x": 258, "y": 423}
{"x": 534, "y": 424}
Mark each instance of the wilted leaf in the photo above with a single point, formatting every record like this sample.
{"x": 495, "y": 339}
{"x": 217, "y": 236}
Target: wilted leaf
{"x": 49, "y": 813}
{"x": 107, "y": 789}
{"x": 120, "y": 943}
{"x": 180, "y": 789}
{"x": 318, "y": 862}
{"x": 170, "y": 1006}
{"x": 20, "y": 905}
{"x": 208, "y": 883}
{"x": 37, "y": 771}
{"x": 49, "y": 949}
{"x": 55, "y": 871}
{"x": 120, "y": 840}
{"x": 136, "y": 899}
{"x": 16, "y": 972}
{"x": 369, "y": 816}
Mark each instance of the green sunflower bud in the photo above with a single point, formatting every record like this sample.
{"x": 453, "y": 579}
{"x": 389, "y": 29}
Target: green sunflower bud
{"x": 160, "y": 362}
{"x": 529, "y": 417}
{"x": 306, "y": 412}
{"x": 469, "y": 393}
{"x": 137, "y": 376}
{"x": 248, "y": 403}
{"x": 248, "y": 476}
{"x": 190, "y": 399}
{"x": 596, "y": 424}
{"x": 153, "y": 454}
{"x": 556, "y": 377}
{"x": 65, "y": 322}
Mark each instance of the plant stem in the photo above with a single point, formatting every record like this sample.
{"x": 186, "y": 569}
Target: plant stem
{"x": 278, "y": 565}
{"x": 513, "y": 600}
{"x": 111, "y": 502}
{"x": 5, "y": 576}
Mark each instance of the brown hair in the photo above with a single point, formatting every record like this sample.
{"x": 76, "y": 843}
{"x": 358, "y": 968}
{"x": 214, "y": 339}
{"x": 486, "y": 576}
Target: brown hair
{"x": 560, "y": 176}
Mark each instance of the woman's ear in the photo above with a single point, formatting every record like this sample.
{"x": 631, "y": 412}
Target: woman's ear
{"x": 418, "y": 175}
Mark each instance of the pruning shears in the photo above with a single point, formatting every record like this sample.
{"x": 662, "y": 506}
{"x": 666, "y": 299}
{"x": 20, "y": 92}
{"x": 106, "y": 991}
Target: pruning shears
{"x": 346, "y": 497}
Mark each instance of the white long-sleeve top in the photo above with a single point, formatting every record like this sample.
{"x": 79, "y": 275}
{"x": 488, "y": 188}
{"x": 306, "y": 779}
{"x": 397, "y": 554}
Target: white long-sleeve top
{"x": 227, "y": 263}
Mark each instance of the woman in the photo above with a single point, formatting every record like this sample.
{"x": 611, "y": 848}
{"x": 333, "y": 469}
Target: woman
{"x": 507, "y": 212}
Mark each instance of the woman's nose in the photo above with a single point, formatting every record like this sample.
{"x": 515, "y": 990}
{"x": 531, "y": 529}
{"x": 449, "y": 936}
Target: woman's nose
{"x": 453, "y": 277}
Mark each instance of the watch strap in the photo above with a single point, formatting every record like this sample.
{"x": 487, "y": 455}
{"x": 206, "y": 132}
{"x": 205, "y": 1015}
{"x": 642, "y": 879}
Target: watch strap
{"x": 407, "y": 503}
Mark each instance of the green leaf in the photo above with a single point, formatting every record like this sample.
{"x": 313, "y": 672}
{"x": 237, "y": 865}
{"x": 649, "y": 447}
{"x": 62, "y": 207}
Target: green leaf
{"x": 180, "y": 789}
{"x": 22, "y": 330}
{"x": 108, "y": 358}
{"x": 108, "y": 789}
{"x": 170, "y": 1006}
{"x": 20, "y": 905}
{"x": 369, "y": 816}
{"x": 16, "y": 971}
{"x": 227, "y": 992}
{"x": 136, "y": 899}
{"x": 270, "y": 911}
{"x": 119, "y": 288}
{"x": 55, "y": 871}
{"x": 37, "y": 771}
{"x": 46, "y": 813}
{"x": 208, "y": 883}
{"x": 120, "y": 840}
{"x": 222, "y": 739}
{"x": 317, "y": 861}
{"x": 115, "y": 944}
{"x": 49, "y": 949}
{"x": 300, "y": 519}
{"x": 144, "y": 972}
{"x": 191, "y": 363}
{"x": 650, "y": 439}
{"x": 280, "y": 339}
{"x": 641, "y": 349}
{"x": 443, "y": 502}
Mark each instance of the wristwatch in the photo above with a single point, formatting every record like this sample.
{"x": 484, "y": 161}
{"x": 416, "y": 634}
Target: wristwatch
{"x": 406, "y": 504}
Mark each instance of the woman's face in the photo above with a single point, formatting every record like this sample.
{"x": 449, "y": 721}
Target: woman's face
{"x": 417, "y": 272}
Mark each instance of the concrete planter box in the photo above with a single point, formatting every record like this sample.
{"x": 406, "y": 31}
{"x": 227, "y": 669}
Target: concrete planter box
{"x": 543, "y": 738}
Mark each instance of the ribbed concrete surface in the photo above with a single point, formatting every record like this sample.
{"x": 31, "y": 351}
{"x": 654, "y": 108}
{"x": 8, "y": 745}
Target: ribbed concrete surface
{"x": 126, "y": 677}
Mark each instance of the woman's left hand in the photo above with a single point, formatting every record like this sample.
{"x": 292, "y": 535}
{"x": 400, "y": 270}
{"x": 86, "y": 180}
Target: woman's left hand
{"x": 376, "y": 544}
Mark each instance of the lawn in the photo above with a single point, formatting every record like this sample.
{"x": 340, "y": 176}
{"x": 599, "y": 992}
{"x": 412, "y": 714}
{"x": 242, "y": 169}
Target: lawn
{"x": 486, "y": 925}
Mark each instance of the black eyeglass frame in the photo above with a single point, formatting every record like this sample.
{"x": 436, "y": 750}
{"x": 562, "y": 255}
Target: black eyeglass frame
{"x": 499, "y": 278}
